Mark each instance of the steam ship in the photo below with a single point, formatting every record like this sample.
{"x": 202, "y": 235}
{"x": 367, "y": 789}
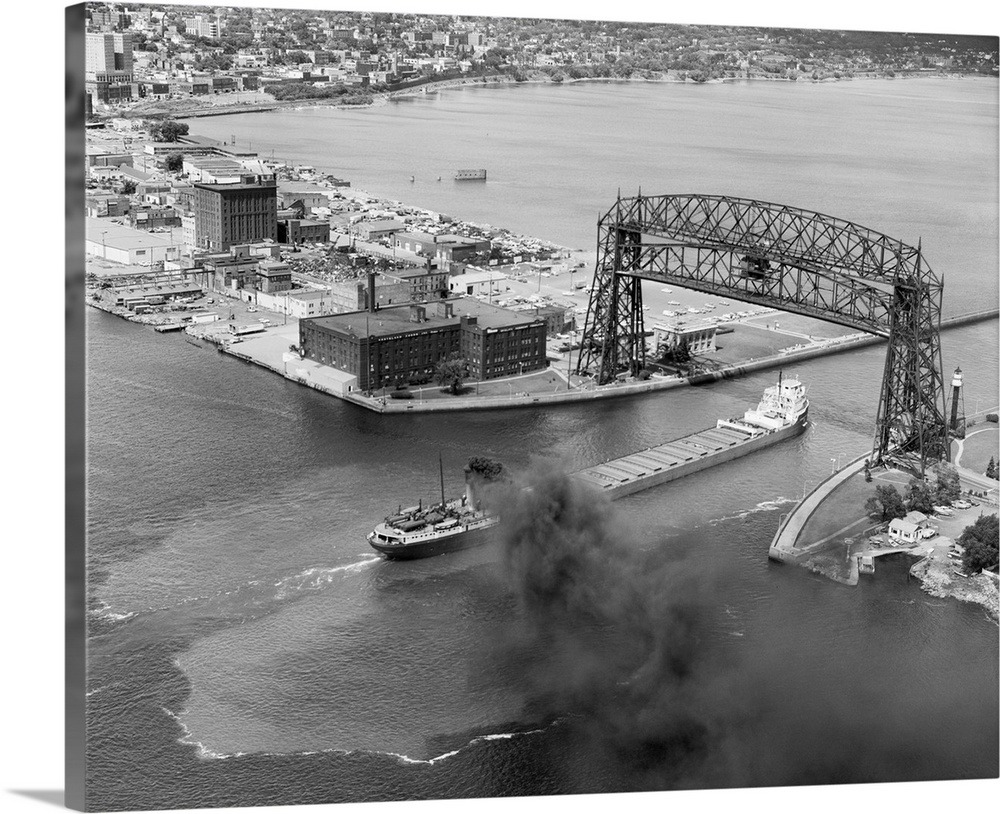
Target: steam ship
{"x": 450, "y": 525}
{"x": 781, "y": 413}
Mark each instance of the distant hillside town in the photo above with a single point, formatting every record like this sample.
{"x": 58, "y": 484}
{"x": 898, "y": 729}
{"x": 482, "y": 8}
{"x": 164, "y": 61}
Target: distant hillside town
{"x": 165, "y": 59}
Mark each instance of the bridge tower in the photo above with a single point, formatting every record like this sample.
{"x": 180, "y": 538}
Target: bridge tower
{"x": 792, "y": 259}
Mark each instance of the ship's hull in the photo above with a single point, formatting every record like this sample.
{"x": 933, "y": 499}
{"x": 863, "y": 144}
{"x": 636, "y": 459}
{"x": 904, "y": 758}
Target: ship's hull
{"x": 657, "y": 478}
{"x": 445, "y": 543}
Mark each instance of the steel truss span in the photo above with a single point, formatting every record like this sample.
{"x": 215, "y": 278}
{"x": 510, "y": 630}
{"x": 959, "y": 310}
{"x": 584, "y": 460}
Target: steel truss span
{"x": 791, "y": 259}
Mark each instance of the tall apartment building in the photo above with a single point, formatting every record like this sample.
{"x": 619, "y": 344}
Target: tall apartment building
{"x": 109, "y": 67}
{"x": 246, "y": 212}
{"x": 202, "y": 26}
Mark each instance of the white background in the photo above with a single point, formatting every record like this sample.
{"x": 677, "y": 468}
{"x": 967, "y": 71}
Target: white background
{"x": 32, "y": 463}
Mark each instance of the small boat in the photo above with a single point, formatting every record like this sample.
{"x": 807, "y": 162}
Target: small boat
{"x": 412, "y": 179}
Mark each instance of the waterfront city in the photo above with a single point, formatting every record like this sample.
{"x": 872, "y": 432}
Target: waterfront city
{"x": 295, "y": 329}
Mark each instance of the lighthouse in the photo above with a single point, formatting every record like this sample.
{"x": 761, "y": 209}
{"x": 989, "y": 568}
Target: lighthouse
{"x": 956, "y": 397}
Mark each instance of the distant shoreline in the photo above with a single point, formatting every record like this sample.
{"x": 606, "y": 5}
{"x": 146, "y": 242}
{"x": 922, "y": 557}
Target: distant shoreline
{"x": 379, "y": 99}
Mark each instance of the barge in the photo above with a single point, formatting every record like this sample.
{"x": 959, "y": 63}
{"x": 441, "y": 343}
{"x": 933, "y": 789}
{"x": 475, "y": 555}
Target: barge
{"x": 470, "y": 175}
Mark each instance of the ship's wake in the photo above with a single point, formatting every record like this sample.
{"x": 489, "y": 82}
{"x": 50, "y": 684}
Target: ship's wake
{"x": 204, "y": 752}
{"x": 255, "y": 593}
{"x": 762, "y": 507}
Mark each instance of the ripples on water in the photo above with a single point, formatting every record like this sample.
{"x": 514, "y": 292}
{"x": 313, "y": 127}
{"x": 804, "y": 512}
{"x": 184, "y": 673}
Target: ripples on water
{"x": 238, "y": 611}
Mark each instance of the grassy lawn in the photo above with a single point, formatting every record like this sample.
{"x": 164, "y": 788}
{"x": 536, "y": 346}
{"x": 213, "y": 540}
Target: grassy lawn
{"x": 542, "y": 381}
{"x": 979, "y": 445}
{"x": 844, "y": 505}
{"x": 748, "y": 342}
{"x": 816, "y": 328}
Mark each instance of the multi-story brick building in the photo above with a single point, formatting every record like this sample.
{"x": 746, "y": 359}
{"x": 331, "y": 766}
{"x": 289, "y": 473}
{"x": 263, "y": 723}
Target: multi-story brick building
{"x": 425, "y": 283}
{"x": 298, "y": 230}
{"x": 446, "y": 249}
{"x": 273, "y": 276}
{"x": 236, "y": 213}
{"x": 393, "y": 345}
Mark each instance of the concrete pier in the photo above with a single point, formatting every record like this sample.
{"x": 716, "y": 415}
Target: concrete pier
{"x": 786, "y": 545}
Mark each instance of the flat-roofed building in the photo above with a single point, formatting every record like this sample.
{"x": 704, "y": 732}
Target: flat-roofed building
{"x": 302, "y": 304}
{"x": 305, "y": 196}
{"x": 211, "y": 169}
{"x": 121, "y": 244}
{"x": 297, "y": 230}
{"x": 235, "y": 213}
{"x": 107, "y": 205}
{"x": 393, "y": 345}
{"x": 425, "y": 283}
{"x": 700, "y": 337}
{"x": 375, "y": 229}
{"x": 352, "y": 295}
{"x": 477, "y": 283}
{"x": 417, "y": 242}
{"x": 460, "y": 249}
{"x": 273, "y": 276}
{"x": 148, "y": 217}
{"x": 446, "y": 249}
{"x": 157, "y": 293}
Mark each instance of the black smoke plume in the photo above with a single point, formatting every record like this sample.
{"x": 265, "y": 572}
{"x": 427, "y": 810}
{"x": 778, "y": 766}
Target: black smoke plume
{"x": 625, "y": 644}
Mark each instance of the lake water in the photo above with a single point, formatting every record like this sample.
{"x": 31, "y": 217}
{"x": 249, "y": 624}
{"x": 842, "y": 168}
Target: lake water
{"x": 247, "y": 646}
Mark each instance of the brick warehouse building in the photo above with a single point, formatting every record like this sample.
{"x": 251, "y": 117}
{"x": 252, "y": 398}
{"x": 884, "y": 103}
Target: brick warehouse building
{"x": 388, "y": 346}
{"x": 246, "y": 212}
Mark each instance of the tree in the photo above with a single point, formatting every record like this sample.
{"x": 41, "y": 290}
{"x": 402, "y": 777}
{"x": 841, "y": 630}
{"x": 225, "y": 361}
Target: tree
{"x": 920, "y": 496}
{"x": 175, "y": 162}
{"x": 949, "y": 487}
{"x": 168, "y": 130}
{"x": 128, "y": 187}
{"x": 451, "y": 372}
{"x": 980, "y": 543}
{"x": 679, "y": 354}
{"x": 991, "y": 469}
{"x": 886, "y": 504}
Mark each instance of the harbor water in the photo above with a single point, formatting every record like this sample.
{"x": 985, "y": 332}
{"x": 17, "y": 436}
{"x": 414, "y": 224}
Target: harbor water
{"x": 247, "y": 646}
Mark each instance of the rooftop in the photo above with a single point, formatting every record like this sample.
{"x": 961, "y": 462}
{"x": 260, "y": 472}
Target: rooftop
{"x": 108, "y": 233}
{"x": 395, "y": 319}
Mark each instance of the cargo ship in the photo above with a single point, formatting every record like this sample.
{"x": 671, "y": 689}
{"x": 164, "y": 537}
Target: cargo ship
{"x": 451, "y": 525}
{"x": 470, "y": 175}
{"x": 782, "y": 413}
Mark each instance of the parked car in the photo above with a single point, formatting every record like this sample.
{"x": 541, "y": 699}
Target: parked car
{"x": 251, "y": 309}
{"x": 927, "y": 532}
{"x": 943, "y": 510}
{"x": 961, "y": 504}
